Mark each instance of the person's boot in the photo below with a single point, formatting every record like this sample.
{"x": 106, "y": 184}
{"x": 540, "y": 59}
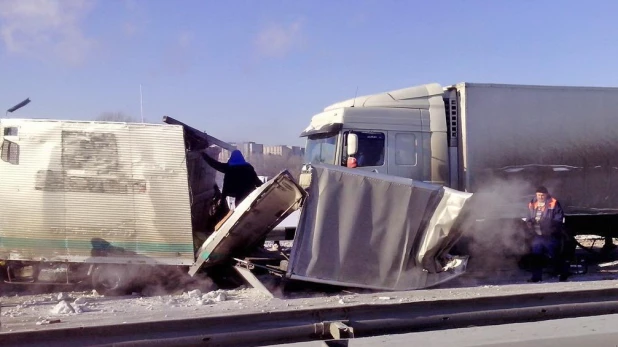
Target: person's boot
{"x": 564, "y": 269}
{"x": 537, "y": 269}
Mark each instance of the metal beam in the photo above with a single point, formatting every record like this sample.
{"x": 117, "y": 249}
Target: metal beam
{"x": 199, "y": 135}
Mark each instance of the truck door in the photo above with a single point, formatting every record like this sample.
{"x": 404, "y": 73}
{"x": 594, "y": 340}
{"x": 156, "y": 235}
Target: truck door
{"x": 372, "y": 148}
{"x": 403, "y": 154}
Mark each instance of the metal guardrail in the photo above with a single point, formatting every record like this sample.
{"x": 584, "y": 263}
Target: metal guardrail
{"x": 262, "y": 329}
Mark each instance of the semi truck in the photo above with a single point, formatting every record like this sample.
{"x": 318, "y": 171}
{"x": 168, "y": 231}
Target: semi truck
{"x": 495, "y": 140}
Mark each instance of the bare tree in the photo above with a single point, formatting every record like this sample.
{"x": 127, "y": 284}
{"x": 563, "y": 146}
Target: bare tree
{"x": 115, "y": 117}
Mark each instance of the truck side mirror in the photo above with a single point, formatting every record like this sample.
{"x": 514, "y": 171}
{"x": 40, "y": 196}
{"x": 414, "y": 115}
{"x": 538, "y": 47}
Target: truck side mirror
{"x": 352, "y": 144}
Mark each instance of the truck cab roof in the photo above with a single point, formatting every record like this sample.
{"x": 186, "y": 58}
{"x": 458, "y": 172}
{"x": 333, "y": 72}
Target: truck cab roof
{"x": 411, "y": 97}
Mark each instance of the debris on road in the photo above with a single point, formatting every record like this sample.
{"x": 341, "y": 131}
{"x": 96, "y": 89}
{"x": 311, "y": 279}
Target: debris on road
{"x": 64, "y": 307}
{"x": 48, "y": 321}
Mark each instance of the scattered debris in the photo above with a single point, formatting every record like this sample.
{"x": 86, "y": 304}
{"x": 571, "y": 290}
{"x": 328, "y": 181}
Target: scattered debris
{"x": 80, "y": 301}
{"x": 194, "y": 294}
{"x": 63, "y": 296}
{"x": 612, "y": 263}
{"x": 63, "y": 307}
{"x": 217, "y": 295}
{"x": 12, "y": 313}
{"x": 205, "y": 302}
{"x": 47, "y": 321}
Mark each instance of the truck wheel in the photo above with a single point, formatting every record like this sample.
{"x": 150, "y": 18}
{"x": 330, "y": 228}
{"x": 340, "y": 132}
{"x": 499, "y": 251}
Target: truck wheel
{"x": 111, "y": 280}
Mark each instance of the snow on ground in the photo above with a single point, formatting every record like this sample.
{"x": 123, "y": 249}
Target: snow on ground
{"x": 29, "y": 311}
{"x": 75, "y": 309}
{"x": 87, "y": 308}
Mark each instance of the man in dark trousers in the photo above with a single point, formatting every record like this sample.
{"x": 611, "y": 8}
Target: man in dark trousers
{"x": 240, "y": 177}
{"x": 545, "y": 219}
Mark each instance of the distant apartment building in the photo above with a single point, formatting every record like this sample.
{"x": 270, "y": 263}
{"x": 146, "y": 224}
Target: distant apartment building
{"x": 225, "y": 154}
{"x": 281, "y": 150}
{"x": 254, "y": 150}
{"x": 251, "y": 149}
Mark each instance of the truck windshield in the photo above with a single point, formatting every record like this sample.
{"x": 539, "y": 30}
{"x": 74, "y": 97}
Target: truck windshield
{"x": 321, "y": 148}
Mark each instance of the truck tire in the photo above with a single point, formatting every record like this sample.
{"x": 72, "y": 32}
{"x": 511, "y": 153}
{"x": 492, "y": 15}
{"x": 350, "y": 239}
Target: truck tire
{"x": 111, "y": 280}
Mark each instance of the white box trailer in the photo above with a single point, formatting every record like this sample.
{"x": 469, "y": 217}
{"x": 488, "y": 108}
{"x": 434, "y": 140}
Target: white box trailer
{"x": 482, "y": 138}
{"x": 70, "y": 190}
{"x": 562, "y": 137}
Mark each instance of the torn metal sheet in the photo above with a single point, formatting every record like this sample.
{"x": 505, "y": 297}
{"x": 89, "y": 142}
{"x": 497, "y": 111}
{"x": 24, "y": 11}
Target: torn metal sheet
{"x": 367, "y": 230}
{"x": 251, "y": 221}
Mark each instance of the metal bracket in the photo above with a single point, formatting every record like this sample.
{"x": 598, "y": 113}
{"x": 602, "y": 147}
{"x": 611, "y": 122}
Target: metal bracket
{"x": 244, "y": 264}
{"x": 253, "y": 281}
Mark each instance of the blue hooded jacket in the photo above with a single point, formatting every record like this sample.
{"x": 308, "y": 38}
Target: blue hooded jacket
{"x": 240, "y": 177}
{"x": 236, "y": 158}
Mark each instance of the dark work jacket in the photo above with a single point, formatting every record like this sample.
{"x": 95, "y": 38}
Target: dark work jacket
{"x": 551, "y": 218}
{"x": 239, "y": 180}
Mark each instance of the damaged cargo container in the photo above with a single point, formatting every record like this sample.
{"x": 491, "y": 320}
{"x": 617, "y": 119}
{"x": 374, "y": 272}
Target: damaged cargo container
{"x": 369, "y": 230}
{"x": 356, "y": 229}
{"x": 121, "y": 204}
{"x": 102, "y": 201}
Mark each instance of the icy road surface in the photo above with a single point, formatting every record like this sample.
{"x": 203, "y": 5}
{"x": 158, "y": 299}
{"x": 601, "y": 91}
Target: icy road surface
{"x": 75, "y": 309}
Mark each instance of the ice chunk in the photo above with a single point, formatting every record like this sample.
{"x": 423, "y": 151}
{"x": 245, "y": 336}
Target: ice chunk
{"x": 195, "y": 294}
{"x": 63, "y": 307}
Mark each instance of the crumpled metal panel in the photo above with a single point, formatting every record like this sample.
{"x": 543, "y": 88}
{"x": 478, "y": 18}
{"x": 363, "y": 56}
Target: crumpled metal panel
{"x": 94, "y": 192}
{"x": 369, "y": 230}
{"x": 251, "y": 221}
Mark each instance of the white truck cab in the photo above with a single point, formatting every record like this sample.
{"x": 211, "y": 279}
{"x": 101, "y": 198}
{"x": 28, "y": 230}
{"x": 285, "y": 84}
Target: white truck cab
{"x": 401, "y": 133}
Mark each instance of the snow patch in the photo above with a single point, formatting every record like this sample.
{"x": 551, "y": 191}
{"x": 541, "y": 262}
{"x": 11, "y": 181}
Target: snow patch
{"x": 203, "y": 302}
{"x": 63, "y": 307}
{"x": 80, "y": 301}
{"x": 194, "y": 294}
{"x": 217, "y": 295}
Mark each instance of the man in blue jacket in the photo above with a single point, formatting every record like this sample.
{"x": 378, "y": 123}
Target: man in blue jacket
{"x": 545, "y": 219}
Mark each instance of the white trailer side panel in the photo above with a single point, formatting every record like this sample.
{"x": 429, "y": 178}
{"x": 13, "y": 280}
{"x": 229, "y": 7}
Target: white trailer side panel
{"x": 94, "y": 192}
{"x": 516, "y": 137}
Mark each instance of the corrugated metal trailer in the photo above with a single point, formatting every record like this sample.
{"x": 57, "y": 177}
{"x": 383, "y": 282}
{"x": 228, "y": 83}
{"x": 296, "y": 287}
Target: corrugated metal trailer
{"x": 88, "y": 185}
{"x": 74, "y": 194}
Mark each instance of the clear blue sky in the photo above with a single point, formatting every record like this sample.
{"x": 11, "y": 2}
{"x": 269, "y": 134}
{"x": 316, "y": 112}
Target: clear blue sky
{"x": 258, "y": 70}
